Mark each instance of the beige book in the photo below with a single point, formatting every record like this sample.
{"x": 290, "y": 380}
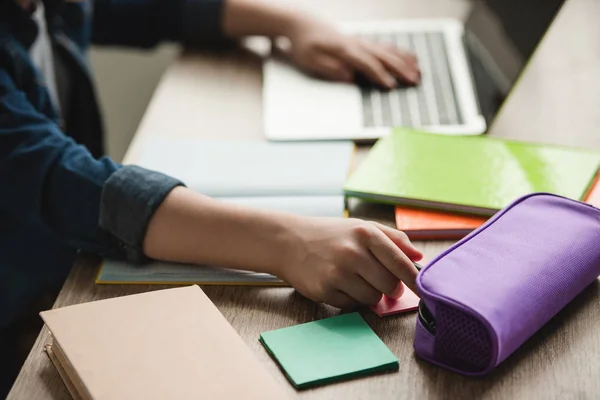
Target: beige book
{"x": 167, "y": 344}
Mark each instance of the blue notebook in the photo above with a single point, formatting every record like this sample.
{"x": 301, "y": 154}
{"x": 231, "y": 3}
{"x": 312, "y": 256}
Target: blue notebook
{"x": 120, "y": 272}
{"x": 301, "y": 178}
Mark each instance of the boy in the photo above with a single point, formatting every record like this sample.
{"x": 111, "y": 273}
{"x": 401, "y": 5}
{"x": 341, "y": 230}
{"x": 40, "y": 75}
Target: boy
{"x": 58, "y": 194}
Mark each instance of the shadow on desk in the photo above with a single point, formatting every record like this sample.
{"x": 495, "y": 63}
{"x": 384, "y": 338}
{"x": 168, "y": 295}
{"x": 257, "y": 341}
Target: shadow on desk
{"x": 541, "y": 358}
{"x": 51, "y": 379}
{"x": 381, "y": 213}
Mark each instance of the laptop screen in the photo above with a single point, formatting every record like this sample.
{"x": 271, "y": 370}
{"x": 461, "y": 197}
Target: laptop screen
{"x": 501, "y": 36}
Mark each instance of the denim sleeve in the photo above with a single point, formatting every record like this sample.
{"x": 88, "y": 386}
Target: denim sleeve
{"x": 129, "y": 199}
{"x": 145, "y": 23}
{"x": 93, "y": 204}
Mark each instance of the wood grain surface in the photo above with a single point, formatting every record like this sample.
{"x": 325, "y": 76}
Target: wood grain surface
{"x": 557, "y": 100}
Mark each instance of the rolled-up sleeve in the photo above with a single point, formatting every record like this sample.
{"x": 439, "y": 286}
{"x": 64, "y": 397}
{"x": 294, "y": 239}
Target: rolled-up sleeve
{"x": 129, "y": 199}
{"x": 145, "y": 23}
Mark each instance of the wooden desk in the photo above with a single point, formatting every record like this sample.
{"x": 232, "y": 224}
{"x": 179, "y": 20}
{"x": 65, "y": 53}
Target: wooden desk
{"x": 219, "y": 95}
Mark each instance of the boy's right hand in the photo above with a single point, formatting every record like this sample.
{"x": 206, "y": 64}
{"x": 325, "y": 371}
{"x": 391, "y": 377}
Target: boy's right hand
{"x": 337, "y": 261}
{"x": 346, "y": 262}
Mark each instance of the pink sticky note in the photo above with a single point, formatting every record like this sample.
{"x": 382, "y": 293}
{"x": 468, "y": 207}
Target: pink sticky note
{"x": 388, "y": 306}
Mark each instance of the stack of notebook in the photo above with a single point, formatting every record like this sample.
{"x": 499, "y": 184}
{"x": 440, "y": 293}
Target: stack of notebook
{"x": 444, "y": 187}
{"x": 420, "y": 224}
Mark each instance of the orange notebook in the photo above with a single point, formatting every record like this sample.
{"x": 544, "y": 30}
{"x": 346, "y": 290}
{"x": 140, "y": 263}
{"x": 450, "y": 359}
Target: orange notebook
{"x": 428, "y": 225}
{"x": 421, "y": 224}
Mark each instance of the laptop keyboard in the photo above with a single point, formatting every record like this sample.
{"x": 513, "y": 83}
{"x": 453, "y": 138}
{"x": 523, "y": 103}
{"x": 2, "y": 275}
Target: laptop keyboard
{"x": 432, "y": 102}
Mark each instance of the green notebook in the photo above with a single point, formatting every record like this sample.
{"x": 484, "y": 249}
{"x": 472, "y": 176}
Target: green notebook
{"x": 327, "y": 350}
{"x": 468, "y": 174}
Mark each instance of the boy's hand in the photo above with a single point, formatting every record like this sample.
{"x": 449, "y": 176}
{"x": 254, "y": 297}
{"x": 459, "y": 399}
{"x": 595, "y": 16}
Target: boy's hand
{"x": 337, "y": 261}
{"x": 320, "y": 49}
{"x": 345, "y": 262}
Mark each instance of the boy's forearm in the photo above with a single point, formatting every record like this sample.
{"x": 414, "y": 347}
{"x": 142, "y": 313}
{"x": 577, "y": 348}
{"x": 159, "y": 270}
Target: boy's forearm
{"x": 258, "y": 18}
{"x": 195, "y": 229}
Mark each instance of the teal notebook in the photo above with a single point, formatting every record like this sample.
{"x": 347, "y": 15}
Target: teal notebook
{"x": 327, "y": 350}
{"x": 478, "y": 175}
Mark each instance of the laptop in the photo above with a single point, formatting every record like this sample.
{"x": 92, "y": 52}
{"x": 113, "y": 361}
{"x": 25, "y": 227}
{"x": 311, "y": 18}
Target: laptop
{"x": 467, "y": 71}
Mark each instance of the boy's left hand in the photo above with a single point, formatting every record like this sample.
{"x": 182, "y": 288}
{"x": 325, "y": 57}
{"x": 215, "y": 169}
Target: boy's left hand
{"x": 320, "y": 49}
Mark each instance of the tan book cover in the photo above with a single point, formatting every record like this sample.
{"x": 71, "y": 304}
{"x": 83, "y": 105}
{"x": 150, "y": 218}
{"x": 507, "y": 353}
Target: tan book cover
{"x": 166, "y": 344}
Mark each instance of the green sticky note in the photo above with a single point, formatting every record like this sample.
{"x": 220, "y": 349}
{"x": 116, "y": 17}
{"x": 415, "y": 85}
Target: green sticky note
{"x": 331, "y": 349}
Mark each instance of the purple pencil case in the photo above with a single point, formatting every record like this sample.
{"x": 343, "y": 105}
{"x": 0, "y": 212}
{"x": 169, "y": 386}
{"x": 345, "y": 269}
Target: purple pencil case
{"x": 485, "y": 296}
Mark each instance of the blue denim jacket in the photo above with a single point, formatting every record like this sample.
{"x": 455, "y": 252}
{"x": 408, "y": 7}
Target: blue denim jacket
{"x": 58, "y": 194}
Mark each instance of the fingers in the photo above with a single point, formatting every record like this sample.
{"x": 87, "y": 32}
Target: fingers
{"x": 360, "y": 290}
{"x": 341, "y": 300}
{"x": 380, "y": 277}
{"x": 402, "y": 241}
{"x": 402, "y": 65}
{"x": 380, "y": 63}
{"x": 369, "y": 65}
{"x": 391, "y": 256}
{"x": 409, "y": 57}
